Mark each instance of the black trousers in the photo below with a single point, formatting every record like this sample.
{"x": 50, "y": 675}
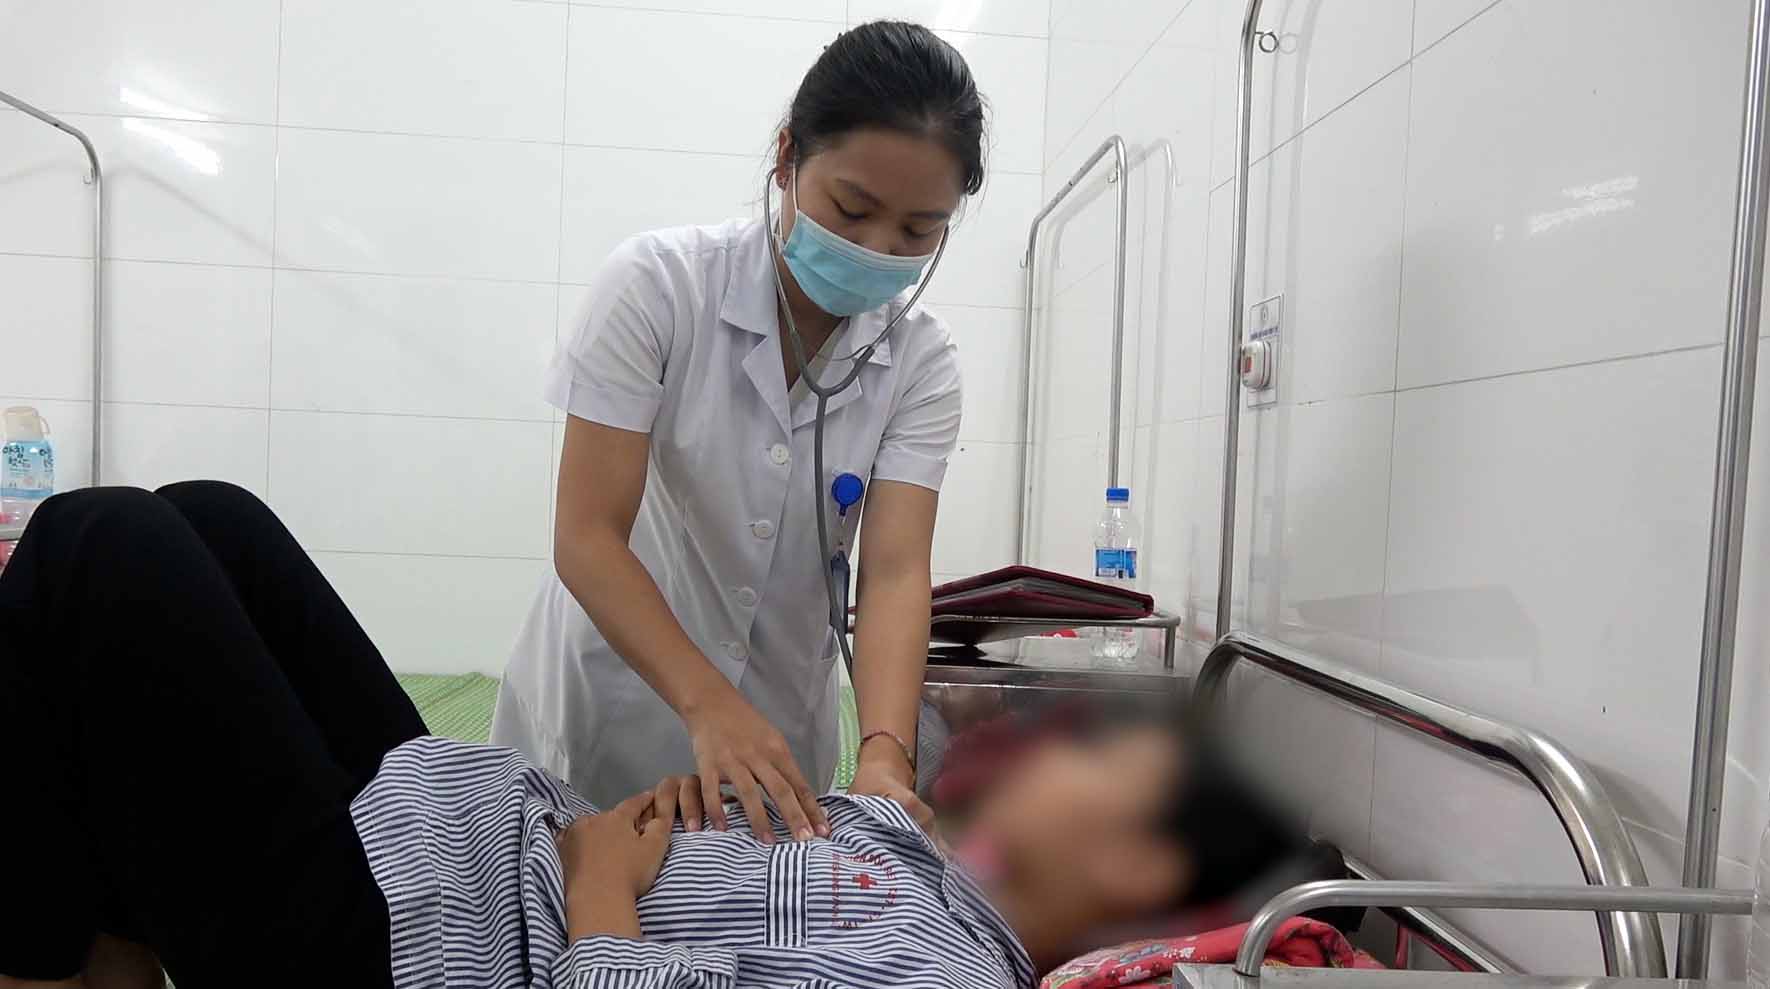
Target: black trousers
{"x": 186, "y": 711}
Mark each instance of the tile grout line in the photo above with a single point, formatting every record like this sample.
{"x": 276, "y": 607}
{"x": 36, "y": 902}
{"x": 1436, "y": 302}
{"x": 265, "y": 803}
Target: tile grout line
{"x": 1205, "y": 262}
{"x": 1045, "y": 97}
{"x": 637, "y": 9}
{"x": 1568, "y": 366}
{"x": 1498, "y": 376}
{"x": 1204, "y": 417}
{"x": 349, "y": 273}
{"x": 1395, "y": 371}
{"x": 290, "y": 410}
{"x": 429, "y": 136}
{"x": 1155, "y": 36}
{"x": 270, "y": 337}
{"x": 844, "y": 24}
{"x": 1472, "y": 18}
{"x": 425, "y": 556}
{"x": 565, "y": 101}
{"x": 1501, "y": 376}
{"x": 1329, "y": 114}
{"x": 1394, "y": 416}
{"x": 1336, "y": 108}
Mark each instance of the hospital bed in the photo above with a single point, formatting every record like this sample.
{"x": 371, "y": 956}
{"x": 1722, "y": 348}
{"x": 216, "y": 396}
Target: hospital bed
{"x": 970, "y": 688}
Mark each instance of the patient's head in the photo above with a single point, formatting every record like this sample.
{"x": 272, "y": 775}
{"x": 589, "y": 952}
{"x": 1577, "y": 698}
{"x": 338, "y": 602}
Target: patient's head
{"x": 1120, "y": 823}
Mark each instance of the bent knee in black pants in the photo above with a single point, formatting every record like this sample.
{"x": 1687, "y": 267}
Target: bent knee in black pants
{"x": 338, "y": 674}
{"x": 177, "y": 774}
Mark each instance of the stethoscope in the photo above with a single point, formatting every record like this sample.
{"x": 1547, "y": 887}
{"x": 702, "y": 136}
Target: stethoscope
{"x": 847, "y": 489}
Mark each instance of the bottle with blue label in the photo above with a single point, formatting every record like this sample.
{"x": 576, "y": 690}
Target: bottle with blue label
{"x": 27, "y": 464}
{"x": 1115, "y": 562}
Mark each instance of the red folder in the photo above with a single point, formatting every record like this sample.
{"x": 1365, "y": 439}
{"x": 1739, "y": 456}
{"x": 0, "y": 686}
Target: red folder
{"x": 1028, "y": 593}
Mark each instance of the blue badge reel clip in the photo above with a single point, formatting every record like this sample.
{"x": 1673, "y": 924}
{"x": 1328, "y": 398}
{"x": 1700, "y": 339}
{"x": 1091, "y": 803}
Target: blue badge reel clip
{"x": 846, "y": 491}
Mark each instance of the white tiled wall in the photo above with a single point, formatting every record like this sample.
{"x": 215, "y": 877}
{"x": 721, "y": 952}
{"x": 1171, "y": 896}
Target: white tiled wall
{"x": 1503, "y": 261}
{"x": 345, "y": 235}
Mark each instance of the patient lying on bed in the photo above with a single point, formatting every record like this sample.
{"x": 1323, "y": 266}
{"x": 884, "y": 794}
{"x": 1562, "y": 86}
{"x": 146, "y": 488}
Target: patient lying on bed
{"x": 218, "y": 765}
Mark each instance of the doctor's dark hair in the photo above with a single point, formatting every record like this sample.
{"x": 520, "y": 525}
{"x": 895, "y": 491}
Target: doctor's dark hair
{"x": 896, "y": 76}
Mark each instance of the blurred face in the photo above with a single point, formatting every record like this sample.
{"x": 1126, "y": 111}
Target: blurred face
{"x": 886, "y": 191}
{"x": 1075, "y": 824}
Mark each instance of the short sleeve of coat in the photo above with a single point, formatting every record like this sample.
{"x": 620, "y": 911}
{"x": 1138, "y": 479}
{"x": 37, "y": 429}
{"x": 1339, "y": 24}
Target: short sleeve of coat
{"x": 923, "y": 430}
{"x": 611, "y": 370}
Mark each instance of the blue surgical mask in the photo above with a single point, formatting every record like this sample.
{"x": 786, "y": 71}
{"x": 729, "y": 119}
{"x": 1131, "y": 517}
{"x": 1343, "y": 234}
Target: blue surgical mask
{"x": 840, "y": 276}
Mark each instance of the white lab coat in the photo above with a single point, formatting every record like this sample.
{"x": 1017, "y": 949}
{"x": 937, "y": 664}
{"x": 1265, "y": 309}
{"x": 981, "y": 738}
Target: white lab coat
{"x": 681, "y": 340}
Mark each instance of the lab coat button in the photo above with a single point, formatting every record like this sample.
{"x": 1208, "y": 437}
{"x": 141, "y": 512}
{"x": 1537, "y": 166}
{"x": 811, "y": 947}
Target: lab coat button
{"x": 747, "y": 597}
{"x": 737, "y": 650}
{"x": 763, "y": 529}
{"x": 779, "y": 454}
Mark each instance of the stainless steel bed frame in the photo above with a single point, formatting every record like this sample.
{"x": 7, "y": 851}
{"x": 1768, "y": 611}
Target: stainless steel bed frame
{"x": 95, "y": 178}
{"x": 1607, "y": 856}
{"x": 1354, "y": 893}
{"x": 1732, "y": 458}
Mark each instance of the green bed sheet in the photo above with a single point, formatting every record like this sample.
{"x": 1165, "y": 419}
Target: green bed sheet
{"x": 461, "y": 707}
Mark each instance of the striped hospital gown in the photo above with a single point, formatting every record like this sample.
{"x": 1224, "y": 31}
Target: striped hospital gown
{"x": 460, "y": 839}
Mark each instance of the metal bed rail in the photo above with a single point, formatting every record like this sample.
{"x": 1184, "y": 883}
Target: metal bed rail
{"x": 1115, "y": 146}
{"x": 1607, "y": 856}
{"x": 1432, "y": 928}
{"x": 96, "y": 180}
{"x": 1733, "y": 444}
{"x": 1359, "y": 893}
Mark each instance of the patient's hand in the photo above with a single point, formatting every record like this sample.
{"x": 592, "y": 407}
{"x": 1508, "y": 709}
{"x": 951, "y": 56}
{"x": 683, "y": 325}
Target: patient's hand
{"x": 610, "y": 860}
{"x": 683, "y": 792}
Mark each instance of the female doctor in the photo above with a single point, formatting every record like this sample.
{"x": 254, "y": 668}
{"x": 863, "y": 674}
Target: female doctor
{"x": 687, "y": 628}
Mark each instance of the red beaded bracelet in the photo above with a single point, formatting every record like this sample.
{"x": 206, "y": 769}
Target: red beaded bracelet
{"x": 909, "y": 754}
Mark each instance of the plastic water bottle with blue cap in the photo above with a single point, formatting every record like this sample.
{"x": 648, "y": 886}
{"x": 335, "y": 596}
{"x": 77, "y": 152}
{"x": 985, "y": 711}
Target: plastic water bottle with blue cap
{"x": 27, "y": 464}
{"x": 1115, "y": 562}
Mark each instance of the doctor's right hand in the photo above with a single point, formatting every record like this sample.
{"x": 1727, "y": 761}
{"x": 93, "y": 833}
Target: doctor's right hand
{"x": 735, "y": 744}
